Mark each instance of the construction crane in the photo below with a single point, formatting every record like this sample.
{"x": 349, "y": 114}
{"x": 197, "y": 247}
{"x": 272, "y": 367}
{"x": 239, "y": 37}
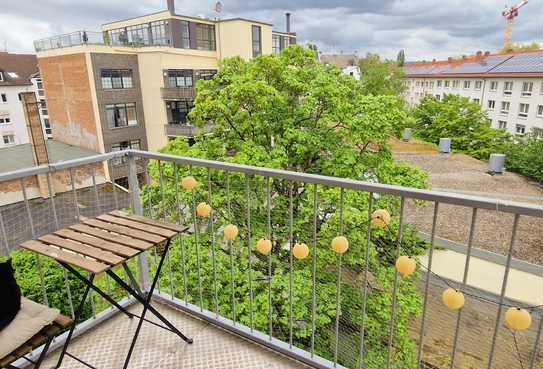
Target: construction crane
{"x": 510, "y": 14}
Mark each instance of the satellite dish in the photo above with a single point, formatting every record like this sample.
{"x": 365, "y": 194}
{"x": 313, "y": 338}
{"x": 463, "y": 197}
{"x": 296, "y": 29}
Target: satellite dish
{"x": 218, "y": 7}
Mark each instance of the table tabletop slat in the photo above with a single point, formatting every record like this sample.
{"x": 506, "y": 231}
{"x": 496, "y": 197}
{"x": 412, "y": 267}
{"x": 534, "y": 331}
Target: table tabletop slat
{"x": 113, "y": 247}
{"x": 142, "y": 219}
{"x": 137, "y": 225}
{"x": 126, "y": 231}
{"x": 83, "y": 249}
{"x": 65, "y": 257}
{"x": 120, "y": 239}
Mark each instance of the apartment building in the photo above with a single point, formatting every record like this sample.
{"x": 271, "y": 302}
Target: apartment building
{"x": 18, "y": 73}
{"x": 132, "y": 85}
{"x": 508, "y": 86}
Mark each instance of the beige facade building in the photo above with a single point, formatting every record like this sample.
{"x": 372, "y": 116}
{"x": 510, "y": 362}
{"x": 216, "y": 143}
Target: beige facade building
{"x": 133, "y": 84}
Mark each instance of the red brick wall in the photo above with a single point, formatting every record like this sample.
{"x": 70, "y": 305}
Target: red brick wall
{"x": 69, "y": 100}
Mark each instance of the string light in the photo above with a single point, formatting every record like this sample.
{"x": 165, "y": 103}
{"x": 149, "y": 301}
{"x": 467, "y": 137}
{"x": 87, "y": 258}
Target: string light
{"x": 188, "y": 183}
{"x": 340, "y": 244}
{"x": 264, "y": 246}
{"x": 231, "y": 232}
{"x": 300, "y": 251}
{"x": 406, "y": 265}
{"x": 380, "y": 218}
{"x": 203, "y": 209}
{"x": 518, "y": 318}
{"x": 453, "y": 299}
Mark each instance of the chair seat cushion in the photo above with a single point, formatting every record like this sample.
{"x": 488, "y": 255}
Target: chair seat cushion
{"x": 29, "y": 320}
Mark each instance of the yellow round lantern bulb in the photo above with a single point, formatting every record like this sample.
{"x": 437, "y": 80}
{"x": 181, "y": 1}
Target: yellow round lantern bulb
{"x": 300, "y": 251}
{"x": 264, "y": 246}
{"x": 188, "y": 183}
{"x": 406, "y": 265}
{"x": 518, "y": 319}
{"x": 380, "y": 218}
{"x": 340, "y": 244}
{"x": 203, "y": 209}
{"x": 453, "y": 299}
{"x": 231, "y": 232}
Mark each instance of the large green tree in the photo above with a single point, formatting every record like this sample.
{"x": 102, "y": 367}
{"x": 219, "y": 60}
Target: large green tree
{"x": 291, "y": 112}
{"x": 381, "y": 77}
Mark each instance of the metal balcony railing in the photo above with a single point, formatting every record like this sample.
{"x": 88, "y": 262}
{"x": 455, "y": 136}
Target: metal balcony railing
{"x": 344, "y": 329}
{"x": 70, "y": 39}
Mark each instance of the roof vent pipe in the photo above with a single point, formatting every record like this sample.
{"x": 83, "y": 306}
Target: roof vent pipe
{"x": 171, "y": 6}
{"x": 496, "y": 164}
{"x": 287, "y": 22}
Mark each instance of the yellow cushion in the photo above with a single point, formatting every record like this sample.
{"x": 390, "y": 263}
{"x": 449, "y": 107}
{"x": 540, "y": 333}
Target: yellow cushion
{"x": 29, "y": 320}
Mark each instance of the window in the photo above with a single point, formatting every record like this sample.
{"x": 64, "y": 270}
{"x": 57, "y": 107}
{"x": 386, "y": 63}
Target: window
{"x": 124, "y": 145}
{"x": 447, "y": 84}
{"x": 432, "y": 84}
{"x": 540, "y": 111}
{"x": 180, "y": 78}
{"x": 138, "y": 34}
{"x": 523, "y": 110}
{"x": 46, "y": 123}
{"x": 439, "y": 83}
{"x": 505, "y": 107}
{"x": 527, "y": 88}
{"x": 520, "y": 129}
{"x": 456, "y": 83}
{"x": 256, "y": 32}
{"x": 39, "y": 84}
{"x": 467, "y": 84}
{"x": 476, "y": 100}
{"x": 478, "y": 85}
{"x": 205, "y": 36}
{"x": 276, "y": 44}
{"x": 541, "y": 89}
{"x": 438, "y": 97}
{"x": 426, "y": 84}
{"x": 4, "y": 98}
{"x": 418, "y": 83}
{"x": 159, "y": 33}
{"x": 1, "y": 76}
{"x": 206, "y": 74}
{"x": 185, "y": 35}
{"x": 508, "y": 88}
{"x": 121, "y": 115}
{"x": 178, "y": 112}
{"x": 502, "y": 124}
{"x": 118, "y": 36}
{"x": 9, "y": 139}
{"x": 491, "y": 104}
{"x": 116, "y": 78}
{"x": 538, "y": 132}
{"x": 5, "y": 120}
{"x": 493, "y": 86}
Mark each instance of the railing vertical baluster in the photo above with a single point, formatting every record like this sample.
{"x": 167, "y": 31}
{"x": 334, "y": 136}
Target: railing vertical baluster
{"x": 464, "y": 283}
{"x": 535, "y": 350}
{"x": 197, "y": 242}
{"x": 115, "y": 195}
{"x": 249, "y": 254}
{"x": 181, "y": 243}
{"x": 314, "y": 271}
{"x": 338, "y": 288}
{"x": 427, "y": 285}
{"x": 231, "y": 249}
{"x": 4, "y": 234}
{"x": 291, "y": 263}
{"x": 57, "y": 226}
{"x": 268, "y": 208}
{"x": 504, "y": 288}
{"x": 212, "y": 240}
{"x": 395, "y": 287}
{"x": 365, "y": 286}
{"x": 33, "y": 232}
{"x": 165, "y": 218}
{"x": 150, "y": 209}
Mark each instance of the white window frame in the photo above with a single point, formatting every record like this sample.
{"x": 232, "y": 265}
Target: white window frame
{"x": 502, "y": 124}
{"x": 467, "y": 85}
{"x": 523, "y": 113}
{"x": 527, "y": 92}
{"x": 447, "y": 83}
{"x": 494, "y": 85}
{"x": 539, "y": 111}
{"x": 3, "y": 98}
{"x": 1, "y": 76}
{"x": 478, "y": 85}
{"x": 505, "y": 111}
{"x": 4, "y": 120}
{"x": 477, "y": 100}
{"x": 522, "y": 127}
{"x": 438, "y": 97}
{"x": 11, "y": 142}
{"x": 508, "y": 88}
{"x": 491, "y": 104}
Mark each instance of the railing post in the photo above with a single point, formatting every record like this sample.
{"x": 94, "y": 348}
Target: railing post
{"x": 137, "y": 208}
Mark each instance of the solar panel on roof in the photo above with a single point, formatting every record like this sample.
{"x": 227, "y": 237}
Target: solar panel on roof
{"x": 522, "y": 63}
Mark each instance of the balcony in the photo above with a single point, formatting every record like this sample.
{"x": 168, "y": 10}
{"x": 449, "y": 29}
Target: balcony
{"x": 70, "y": 39}
{"x": 178, "y": 93}
{"x": 178, "y": 129}
{"x": 242, "y": 307}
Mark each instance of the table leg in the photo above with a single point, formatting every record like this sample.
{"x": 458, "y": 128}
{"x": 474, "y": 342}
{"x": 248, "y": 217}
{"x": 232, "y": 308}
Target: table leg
{"x": 43, "y": 353}
{"x": 76, "y": 317}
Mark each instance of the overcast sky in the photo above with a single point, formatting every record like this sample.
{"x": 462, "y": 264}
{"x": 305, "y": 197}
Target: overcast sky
{"x": 426, "y": 29}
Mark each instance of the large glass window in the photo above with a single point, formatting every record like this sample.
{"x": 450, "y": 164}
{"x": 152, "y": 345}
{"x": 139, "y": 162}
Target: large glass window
{"x": 185, "y": 35}
{"x": 205, "y": 36}
{"x": 257, "y": 40}
{"x": 180, "y": 78}
{"x": 121, "y": 115}
{"x": 124, "y": 145}
{"x": 527, "y": 88}
{"x": 276, "y": 44}
{"x": 118, "y": 36}
{"x": 116, "y": 78}
{"x": 159, "y": 33}
{"x": 138, "y": 35}
{"x": 179, "y": 111}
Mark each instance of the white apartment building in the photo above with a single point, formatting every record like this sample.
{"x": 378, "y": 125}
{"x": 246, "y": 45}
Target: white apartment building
{"x": 508, "y": 86}
{"x": 37, "y": 83}
{"x": 18, "y": 73}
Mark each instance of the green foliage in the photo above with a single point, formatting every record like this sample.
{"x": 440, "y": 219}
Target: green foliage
{"x": 291, "y": 112}
{"x": 381, "y": 77}
{"x": 401, "y": 58}
{"x": 524, "y": 155}
{"x": 460, "y": 119}
{"x": 519, "y": 47}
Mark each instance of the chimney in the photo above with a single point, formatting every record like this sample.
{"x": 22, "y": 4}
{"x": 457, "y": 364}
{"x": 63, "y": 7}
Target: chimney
{"x": 479, "y": 54}
{"x": 287, "y": 22}
{"x": 487, "y": 53}
{"x": 171, "y": 6}
{"x": 450, "y": 59}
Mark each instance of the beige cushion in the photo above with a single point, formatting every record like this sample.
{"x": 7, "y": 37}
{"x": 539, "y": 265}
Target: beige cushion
{"x": 29, "y": 320}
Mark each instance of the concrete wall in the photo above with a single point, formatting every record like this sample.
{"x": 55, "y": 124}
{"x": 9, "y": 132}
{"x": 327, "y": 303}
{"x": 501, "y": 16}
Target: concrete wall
{"x": 235, "y": 38}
